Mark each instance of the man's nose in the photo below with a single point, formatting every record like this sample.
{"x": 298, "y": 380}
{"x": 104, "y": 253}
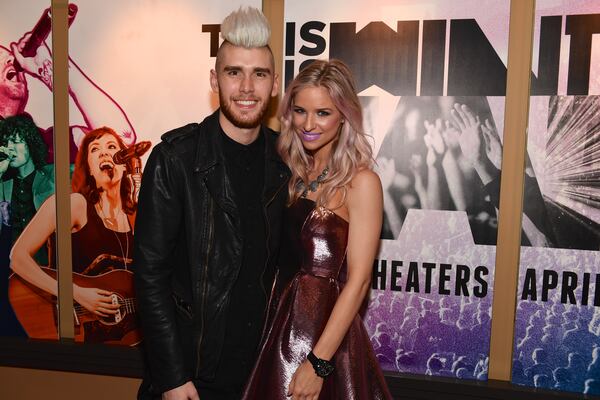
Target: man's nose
{"x": 247, "y": 84}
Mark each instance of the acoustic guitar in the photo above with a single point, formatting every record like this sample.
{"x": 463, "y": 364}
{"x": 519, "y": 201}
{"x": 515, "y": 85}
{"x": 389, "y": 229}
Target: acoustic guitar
{"x": 37, "y": 310}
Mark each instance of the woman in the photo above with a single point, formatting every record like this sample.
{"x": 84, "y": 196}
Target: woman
{"x": 316, "y": 345}
{"x": 101, "y": 209}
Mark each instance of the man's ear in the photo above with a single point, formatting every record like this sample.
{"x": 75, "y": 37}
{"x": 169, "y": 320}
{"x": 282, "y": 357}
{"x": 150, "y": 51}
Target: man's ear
{"x": 214, "y": 82}
{"x": 275, "y": 90}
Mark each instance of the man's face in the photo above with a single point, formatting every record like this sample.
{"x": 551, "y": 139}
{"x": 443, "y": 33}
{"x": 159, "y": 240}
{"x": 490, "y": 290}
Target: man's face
{"x": 13, "y": 86}
{"x": 245, "y": 81}
{"x": 18, "y": 152}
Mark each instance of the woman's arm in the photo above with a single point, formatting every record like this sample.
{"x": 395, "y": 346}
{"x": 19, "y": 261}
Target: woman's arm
{"x": 365, "y": 207}
{"x": 35, "y": 235}
{"x": 29, "y": 242}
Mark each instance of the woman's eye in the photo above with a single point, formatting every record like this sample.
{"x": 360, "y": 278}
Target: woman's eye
{"x": 323, "y": 113}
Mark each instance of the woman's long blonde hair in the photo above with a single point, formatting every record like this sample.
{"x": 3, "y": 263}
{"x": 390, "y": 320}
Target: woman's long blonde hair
{"x": 351, "y": 150}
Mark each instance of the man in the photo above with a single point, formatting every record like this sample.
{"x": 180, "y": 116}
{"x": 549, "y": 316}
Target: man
{"x": 26, "y": 180}
{"x": 208, "y": 229}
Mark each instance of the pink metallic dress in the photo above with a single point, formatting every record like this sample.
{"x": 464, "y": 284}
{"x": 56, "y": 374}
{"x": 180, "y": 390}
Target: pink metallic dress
{"x": 315, "y": 249}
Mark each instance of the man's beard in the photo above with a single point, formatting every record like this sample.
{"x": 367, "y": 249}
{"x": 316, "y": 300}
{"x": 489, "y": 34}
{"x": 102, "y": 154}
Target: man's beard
{"x": 240, "y": 122}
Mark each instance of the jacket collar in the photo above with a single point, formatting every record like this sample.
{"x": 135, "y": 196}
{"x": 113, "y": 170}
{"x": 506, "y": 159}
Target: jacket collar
{"x": 210, "y": 160}
{"x": 209, "y": 150}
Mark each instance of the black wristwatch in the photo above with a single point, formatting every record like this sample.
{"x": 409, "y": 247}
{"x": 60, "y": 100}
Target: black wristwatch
{"x": 323, "y": 368}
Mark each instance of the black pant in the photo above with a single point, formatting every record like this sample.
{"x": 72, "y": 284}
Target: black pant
{"x": 206, "y": 392}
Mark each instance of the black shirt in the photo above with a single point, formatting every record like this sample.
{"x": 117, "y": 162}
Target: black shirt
{"x": 245, "y": 166}
{"x": 22, "y": 205}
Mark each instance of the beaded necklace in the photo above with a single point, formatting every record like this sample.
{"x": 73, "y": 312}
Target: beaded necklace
{"x": 312, "y": 185}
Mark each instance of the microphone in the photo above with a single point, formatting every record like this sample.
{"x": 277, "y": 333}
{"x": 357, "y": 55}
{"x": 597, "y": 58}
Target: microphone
{"x": 136, "y": 150}
{"x": 42, "y": 29}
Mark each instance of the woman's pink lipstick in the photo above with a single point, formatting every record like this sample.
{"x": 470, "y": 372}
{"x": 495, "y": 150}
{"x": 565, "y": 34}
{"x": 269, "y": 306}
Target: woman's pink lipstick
{"x": 309, "y": 136}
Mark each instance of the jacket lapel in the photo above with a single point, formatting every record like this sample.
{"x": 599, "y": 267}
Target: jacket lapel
{"x": 211, "y": 166}
{"x": 276, "y": 172}
{"x": 7, "y": 187}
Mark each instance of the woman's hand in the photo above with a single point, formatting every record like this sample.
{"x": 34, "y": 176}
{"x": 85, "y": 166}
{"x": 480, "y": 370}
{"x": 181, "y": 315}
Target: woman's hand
{"x": 305, "y": 384}
{"x": 96, "y": 301}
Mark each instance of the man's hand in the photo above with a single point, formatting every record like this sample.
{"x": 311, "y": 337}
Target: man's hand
{"x": 187, "y": 391}
{"x": 4, "y": 163}
{"x": 38, "y": 66}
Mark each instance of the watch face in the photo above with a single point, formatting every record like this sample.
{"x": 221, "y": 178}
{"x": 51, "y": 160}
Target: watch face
{"x": 324, "y": 368}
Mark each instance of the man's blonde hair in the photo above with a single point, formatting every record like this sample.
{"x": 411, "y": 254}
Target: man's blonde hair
{"x": 247, "y": 27}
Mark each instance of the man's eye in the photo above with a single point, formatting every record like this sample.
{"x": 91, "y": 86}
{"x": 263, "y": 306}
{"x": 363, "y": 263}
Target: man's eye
{"x": 232, "y": 73}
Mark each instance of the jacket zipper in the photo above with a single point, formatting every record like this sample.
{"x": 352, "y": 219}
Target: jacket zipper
{"x": 262, "y": 282}
{"x": 204, "y": 285}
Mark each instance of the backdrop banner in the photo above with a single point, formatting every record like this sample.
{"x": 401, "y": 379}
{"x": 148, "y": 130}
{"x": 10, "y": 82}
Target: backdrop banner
{"x": 558, "y": 314}
{"x": 432, "y": 80}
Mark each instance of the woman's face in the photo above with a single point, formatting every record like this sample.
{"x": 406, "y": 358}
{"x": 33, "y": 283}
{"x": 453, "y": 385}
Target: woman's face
{"x": 315, "y": 119}
{"x": 100, "y": 161}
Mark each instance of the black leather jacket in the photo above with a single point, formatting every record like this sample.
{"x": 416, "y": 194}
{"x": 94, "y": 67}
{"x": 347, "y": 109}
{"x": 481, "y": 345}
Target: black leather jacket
{"x": 188, "y": 249}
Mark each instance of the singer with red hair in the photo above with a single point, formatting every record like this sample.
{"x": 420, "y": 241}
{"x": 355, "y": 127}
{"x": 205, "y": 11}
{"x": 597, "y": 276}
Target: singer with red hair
{"x": 102, "y": 217}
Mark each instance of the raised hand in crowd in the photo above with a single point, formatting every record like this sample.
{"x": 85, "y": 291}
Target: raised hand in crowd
{"x": 386, "y": 169}
{"x": 434, "y": 141}
{"x": 493, "y": 146}
{"x": 470, "y": 139}
{"x": 472, "y": 143}
{"x": 416, "y": 165}
{"x": 435, "y": 152}
{"x": 450, "y": 165}
{"x": 451, "y": 137}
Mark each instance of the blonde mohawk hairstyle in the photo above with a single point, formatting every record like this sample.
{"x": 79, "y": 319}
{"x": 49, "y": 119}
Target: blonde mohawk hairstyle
{"x": 247, "y": 27}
